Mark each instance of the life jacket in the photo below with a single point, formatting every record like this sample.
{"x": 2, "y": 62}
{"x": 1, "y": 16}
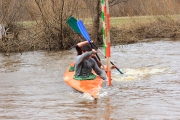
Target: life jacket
{"x": 90, "y": 77}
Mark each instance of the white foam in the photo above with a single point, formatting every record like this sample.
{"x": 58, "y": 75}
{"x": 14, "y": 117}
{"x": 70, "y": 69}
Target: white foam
{"x": 137, "y": 74}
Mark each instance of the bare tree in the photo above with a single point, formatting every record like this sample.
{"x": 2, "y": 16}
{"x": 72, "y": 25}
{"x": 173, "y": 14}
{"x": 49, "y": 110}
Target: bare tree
{"x": 10, "y": 17}
{"x": 54, "y": 14}
{"x": 95, "y": 10}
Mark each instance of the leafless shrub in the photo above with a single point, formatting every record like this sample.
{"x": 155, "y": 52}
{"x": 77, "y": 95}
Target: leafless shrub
{"x": 146, "y": 7}
{"x": 41, "y": 24}
{"x": 55, "y": 31}
{"x": 162, "y": 27}
{"x": 11, "y": 13}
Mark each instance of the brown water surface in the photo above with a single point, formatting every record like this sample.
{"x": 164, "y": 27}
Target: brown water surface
{"x": 31, "y": 85}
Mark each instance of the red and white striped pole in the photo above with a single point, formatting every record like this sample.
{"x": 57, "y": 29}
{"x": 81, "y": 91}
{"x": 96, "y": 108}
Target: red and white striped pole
{"x": 106, "y": 36}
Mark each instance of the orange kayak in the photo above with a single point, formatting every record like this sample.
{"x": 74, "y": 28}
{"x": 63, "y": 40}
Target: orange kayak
{"x": 85, "y": 86}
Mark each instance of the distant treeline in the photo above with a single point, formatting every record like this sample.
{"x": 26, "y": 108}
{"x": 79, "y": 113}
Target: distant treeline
{"x": 146, "y": 7}
{"x": 29, "y": 10}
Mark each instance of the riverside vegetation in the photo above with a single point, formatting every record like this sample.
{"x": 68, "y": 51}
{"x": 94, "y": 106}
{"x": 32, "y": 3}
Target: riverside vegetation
{"x": 124, "y": 30}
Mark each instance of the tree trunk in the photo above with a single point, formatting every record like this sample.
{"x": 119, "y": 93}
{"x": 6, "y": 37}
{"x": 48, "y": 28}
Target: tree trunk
{"x": 96, "y": 21}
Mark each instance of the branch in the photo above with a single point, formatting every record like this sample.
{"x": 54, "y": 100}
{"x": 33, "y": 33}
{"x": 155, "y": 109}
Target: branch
{"x": 114, "y": 2}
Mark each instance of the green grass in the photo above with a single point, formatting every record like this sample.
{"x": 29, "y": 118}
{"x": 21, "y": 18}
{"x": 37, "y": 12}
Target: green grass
{"x": 126, "y": 21}
{"x": 29, "y": 23}
{"x": 118, "y": 21}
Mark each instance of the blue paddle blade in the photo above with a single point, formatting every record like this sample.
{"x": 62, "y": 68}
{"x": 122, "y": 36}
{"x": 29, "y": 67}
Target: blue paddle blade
{"x": 83, "y": 30}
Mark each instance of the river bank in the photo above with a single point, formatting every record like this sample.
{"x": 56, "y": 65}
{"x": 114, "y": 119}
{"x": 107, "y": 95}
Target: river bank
{"x": 139, "y": 29}
{"x": 123, "y": 31}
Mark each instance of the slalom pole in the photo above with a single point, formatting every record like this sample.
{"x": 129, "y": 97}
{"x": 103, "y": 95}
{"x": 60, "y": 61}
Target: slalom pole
{"x": 108, "y": 51}
{"x": 103, "y": 24}
{"x": 106, "y": 36}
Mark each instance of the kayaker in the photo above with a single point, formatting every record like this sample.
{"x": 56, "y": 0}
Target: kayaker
{"x": 79, "y": 52}
{"x": 84, "y": 64}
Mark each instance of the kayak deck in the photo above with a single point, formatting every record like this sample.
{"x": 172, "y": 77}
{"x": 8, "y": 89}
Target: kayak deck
{"x": 85, "y": 86}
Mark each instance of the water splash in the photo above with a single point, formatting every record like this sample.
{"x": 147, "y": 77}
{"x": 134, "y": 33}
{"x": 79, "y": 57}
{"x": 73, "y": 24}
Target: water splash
{"x": 78, "y": 95}
{"x": 137, "y": 74}
{"x": 86, "y": 96}
{"x": 102, "y": 93}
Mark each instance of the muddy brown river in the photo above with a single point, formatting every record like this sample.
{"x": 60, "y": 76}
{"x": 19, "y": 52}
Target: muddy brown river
{"x": 31, "y": 85}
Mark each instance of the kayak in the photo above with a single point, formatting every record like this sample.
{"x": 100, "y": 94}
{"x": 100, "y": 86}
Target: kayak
{"x": 91, "y": 87}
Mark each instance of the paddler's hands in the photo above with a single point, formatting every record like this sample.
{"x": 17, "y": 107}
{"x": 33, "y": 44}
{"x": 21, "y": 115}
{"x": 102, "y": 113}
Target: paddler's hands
{"x": 91, "y": 41}
{"x": 105, "y": 67}
{"x": 94, "y": 51}
{"x": 114, "y": 66}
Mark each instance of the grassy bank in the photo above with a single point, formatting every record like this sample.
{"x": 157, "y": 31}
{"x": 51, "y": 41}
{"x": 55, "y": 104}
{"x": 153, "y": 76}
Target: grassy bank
{"x": 129, "y": 30}
{"x": 124, "y": 30}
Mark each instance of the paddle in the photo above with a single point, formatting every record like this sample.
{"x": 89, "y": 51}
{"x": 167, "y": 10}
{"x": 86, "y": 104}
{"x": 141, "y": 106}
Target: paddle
{"x": 73, "y": 23}
{"x": 86, "y": 36}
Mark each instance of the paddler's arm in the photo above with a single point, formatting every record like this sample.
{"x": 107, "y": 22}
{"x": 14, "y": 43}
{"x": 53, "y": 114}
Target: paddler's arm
{"x": 80, "y": 44}
{"x": 97, "y": 61}
{"x": 99, "y": 71}
{"x": 84, "y": 56}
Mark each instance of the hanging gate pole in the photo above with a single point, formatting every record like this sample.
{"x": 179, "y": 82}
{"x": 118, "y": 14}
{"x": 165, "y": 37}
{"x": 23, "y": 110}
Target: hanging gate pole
{"x": 106, "y": 36}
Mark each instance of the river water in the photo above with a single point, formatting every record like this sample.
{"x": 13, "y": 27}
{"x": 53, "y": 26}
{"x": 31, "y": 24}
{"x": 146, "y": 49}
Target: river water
{"x": 31, "y": 85}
